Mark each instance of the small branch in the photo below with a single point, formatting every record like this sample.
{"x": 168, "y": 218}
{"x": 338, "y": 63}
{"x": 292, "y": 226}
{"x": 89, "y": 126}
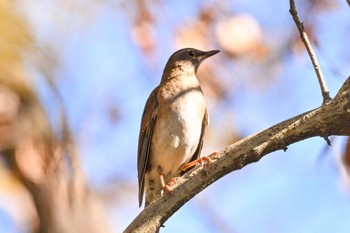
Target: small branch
{"x": 332, "y": 118}
{"x": 293, "y": 11}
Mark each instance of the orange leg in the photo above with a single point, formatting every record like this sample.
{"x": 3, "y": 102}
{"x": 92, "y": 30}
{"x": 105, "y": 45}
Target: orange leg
{"x": 197, "y": 161}
{"x": 164, "y": 186}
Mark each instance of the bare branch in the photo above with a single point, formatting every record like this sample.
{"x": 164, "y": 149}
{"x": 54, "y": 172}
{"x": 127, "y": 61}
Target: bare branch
{"x": 293, "y": 11}
{"x": 332, "y": 118}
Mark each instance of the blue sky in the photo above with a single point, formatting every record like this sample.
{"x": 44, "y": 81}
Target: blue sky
{"x": 101, "y": 68}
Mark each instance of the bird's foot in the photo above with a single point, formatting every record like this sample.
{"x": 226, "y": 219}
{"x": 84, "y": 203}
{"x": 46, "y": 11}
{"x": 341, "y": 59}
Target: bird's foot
{"x": 166, "y": 188}
{"x": 199, "y": 161}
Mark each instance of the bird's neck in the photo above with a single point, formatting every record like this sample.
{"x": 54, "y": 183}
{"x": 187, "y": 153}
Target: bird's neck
{"x": 179, "y": 85}
{"x": 178, "y": 69}
{"x": 177, "y": 80}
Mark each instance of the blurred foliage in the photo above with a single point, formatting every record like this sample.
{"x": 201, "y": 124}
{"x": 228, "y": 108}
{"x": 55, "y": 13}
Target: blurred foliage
{"x": 14, "y": 36}
{"x": 18, "y": 107}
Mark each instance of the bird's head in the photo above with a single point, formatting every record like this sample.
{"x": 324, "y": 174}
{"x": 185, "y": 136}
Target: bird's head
{"x": 188, "y": 59}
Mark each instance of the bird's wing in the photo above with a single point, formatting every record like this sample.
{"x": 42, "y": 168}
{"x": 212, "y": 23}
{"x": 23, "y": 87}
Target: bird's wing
{"x": 205, "y": 123}
{"x": 149, "y": 117}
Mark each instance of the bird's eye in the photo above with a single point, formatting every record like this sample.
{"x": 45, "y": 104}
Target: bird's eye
{"x": 191, "y": 53}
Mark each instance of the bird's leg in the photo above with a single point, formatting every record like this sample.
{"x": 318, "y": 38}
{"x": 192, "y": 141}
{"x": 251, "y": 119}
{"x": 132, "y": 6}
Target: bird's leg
{"x": 199, "y": 161}
{"x": 195, "y": 162}
{"x": 165, "y": 187}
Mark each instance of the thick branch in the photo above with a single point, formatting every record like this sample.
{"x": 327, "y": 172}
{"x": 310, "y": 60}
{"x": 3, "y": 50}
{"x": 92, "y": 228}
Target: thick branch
{"x": 293, "y": 11}
{"x": 332, "y": 118}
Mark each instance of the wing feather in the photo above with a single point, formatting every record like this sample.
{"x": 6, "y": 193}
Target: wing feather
{"x": 149, "y": 117}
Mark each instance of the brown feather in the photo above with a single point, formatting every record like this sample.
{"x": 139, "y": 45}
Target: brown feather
{"x": 149, "y": 117}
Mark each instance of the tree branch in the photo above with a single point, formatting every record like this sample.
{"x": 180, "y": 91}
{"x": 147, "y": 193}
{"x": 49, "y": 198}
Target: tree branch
{"x": 332, "y": 118}
{"x": 293, "y": 11}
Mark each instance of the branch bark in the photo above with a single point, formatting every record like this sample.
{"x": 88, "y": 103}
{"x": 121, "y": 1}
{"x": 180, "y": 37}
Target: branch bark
{"x": 332, "y": 118}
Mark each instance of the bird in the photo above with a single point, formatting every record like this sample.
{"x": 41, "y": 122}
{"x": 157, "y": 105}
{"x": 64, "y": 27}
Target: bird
{"x": 173, "y": 124}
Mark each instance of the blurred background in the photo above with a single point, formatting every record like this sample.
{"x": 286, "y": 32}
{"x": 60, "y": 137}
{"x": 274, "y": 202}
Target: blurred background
{"x": 91, "y": 66}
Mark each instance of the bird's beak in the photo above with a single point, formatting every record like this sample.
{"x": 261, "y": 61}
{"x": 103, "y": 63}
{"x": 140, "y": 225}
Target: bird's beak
{"x": 205, "y": 55}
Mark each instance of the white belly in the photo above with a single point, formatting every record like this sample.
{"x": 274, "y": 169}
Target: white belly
{"x": 177, "y": 135}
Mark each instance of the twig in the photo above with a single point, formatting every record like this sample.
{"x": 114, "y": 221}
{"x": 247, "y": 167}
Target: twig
{"x": 293, "y": 11}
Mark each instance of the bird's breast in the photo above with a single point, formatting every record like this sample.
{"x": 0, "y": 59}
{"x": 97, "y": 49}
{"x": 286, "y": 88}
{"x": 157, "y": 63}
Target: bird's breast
{"x": 182, "y": 119}
{"x": 179, "y": 124}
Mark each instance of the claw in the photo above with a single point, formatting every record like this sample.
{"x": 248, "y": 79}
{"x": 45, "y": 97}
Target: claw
{"x": 164, "y": 186}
